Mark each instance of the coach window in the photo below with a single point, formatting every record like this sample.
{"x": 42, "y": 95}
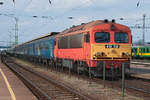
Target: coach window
{"x": 132, "y": 50}
{"x": 143, "y": 50}
{"x": 147, "y": 50}
{"x": 140, "y": 50}
{"x": 87, "y": 38}
{"x": 41, "y": 45}
{"x": 135, "y": 49}
{"x": 46, "y": 45}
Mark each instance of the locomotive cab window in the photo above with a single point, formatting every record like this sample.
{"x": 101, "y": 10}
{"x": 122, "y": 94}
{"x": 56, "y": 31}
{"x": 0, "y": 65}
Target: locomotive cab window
{"x": 87, "y": 38}
{"x": 102, "y": 37}
{"x": 121, "y": 37}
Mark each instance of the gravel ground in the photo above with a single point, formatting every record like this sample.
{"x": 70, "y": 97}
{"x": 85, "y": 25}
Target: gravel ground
{"x": 94, "y": 89}
{"x": 141, "y": 60}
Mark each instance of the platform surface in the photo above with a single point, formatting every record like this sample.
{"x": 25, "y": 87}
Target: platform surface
{"x": 11, "y": 88}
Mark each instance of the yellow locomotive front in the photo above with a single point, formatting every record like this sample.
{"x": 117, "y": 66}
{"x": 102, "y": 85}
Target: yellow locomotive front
{"x": 110, "y": 44}
{"x": 111, "y": 52}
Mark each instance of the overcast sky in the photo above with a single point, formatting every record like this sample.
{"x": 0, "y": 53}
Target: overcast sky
{"x": 58, "y": 11}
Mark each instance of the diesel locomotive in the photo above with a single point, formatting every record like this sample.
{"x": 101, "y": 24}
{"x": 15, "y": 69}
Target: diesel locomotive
{"x": 92, "y": 44}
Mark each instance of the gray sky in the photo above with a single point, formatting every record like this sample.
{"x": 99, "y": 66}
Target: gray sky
{"x": 58, "y": 12}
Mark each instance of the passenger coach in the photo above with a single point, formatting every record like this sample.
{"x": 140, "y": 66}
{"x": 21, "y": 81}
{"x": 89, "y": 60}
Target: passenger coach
{"x": 141, "y": 52}
{"x": 37, "y": 50}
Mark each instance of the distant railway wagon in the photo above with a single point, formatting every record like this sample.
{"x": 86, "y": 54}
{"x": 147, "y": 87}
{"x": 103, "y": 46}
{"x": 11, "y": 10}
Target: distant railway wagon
{"x": 141, "y": 52}
{"x": 88, "y": 46}
{"x": 40, "y": 49}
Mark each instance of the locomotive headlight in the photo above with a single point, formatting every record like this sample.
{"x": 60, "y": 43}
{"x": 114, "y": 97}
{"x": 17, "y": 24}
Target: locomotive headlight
{"x": 98, "y": 54}
{"x": 103, "y": 54}
{"x": 123, "y": 54}
{"x": 127, "y": 54}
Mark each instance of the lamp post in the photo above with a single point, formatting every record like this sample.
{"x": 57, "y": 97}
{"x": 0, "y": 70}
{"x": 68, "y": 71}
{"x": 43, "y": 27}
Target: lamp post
{"x": 144, "y": 15}
{"x": 16, "y": 31}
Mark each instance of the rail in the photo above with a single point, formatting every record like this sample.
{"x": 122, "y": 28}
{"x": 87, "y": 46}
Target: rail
{"x": 71, "y": 93}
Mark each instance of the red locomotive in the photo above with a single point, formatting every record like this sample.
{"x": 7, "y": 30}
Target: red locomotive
{"x": 92, "y": 44}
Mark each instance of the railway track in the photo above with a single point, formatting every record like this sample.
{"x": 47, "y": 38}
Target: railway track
{"x": 141, "y": 62}
{"x": 43, "y": 87}
{"x": 139, "y": 84}
{"x": 137, "y": 87}
{"x": 133, "y": 86}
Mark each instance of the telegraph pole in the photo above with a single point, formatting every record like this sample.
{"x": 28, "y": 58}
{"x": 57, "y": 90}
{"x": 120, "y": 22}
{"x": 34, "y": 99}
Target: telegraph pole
{"x": 144, "y": 15}
{"x": 16, "y": 31}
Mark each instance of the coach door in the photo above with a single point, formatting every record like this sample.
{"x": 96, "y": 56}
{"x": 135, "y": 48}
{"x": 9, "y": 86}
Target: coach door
{"x": 51, "y": 48}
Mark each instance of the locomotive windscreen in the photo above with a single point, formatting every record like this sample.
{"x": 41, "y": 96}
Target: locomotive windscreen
{"x": 121, "y": 37}
{"x": 102, "y": 37}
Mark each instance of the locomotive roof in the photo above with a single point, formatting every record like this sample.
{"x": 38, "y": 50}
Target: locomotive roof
{"x": 85, "y": 26}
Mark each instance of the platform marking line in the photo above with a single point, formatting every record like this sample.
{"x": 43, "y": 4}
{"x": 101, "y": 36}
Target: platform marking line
{"x": 8, "y": 86}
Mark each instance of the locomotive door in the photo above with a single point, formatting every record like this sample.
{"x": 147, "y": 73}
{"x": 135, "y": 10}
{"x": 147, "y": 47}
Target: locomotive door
{"x": 87, "y": 49}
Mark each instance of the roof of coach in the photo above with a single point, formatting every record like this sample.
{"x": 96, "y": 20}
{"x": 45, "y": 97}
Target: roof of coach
{"x": 44, "y": 36}
{"x": 86, "y": 26}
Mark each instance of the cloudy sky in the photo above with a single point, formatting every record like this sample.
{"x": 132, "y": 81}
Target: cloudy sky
{"x": 56, "y": 16}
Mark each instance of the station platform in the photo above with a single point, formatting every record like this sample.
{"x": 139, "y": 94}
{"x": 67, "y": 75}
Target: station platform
{"x": 11, "y": 88}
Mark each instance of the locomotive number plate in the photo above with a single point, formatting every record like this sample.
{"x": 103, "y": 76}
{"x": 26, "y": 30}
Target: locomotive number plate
{"x": 112, "y": 46}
